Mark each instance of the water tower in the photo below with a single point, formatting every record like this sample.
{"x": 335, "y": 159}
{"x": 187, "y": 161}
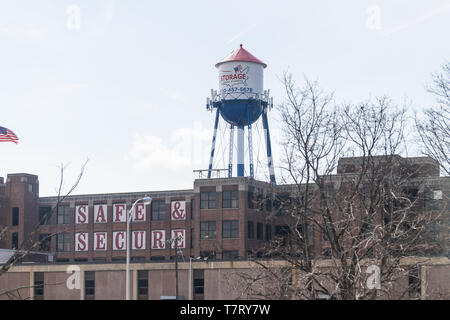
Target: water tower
{"x": 241, "y": 101}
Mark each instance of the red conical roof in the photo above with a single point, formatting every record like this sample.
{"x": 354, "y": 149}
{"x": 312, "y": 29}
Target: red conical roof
{"x": 241, "y": 55}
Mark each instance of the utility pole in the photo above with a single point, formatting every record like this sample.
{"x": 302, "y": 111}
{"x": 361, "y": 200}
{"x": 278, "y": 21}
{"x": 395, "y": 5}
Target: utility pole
{"x": 174, "y": 242}
{"x": 176, "y": 268}
{"x": 147, "y": 200}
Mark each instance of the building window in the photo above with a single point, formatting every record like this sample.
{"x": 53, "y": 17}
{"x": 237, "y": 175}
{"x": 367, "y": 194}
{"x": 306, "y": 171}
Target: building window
{"x": 230, "y": 229}
{"x": 327, "y": 234}
{"x": 328, "y": 194}
{"x": 89, "y": 285}
{"x": 44, "y": 215}
{"x": 311, "y": 235}
{"x": 435, "y": 233}
{"x": 411, "y": 193}
{"x": 208, "y": 254}
{"x": 367, "y": 192}
{"x": 326, "y": 253}
{"x": 44, "y": 242}
{"x": 38, "y": 286}
{"x": 63, "y": 215}
{"x": 433, "y": 200}
{"x": 192, "y": 208}
{"x": 158, "y": 210}
{"x": 208, "y": 200}
{"x": 157, "y": 258}
{"x": 259, "y": 231}
{"x": 192, "y": 238}
{"x": 137, "y": 259}
{"x": 414, "y": 283}
{"x": 283, "y": 203}
{"x": 268, "y": 232}
{"x": 199, "y": 284}
{"x": 250, "y": 230}
{"x": 80, "y": 259}
{"x": 118, "y": 259}
{"x": 251, "y": 200}
{"x": 63, "y": 242}
{"x": 268, "y": 205}
{"x": 230, "y": 255}
{"x": 15, "y": 216}
{"x": 142, "y": 285}
{"x": 282, "y": 232}
{"x": 230, "y": 199}
{"x": 30, "y": 187}
{"x": 15, "y": 240}
{"x": 260, "y": 202}
{"x": 207, "y": 230}
{"x": 181, "y": 257}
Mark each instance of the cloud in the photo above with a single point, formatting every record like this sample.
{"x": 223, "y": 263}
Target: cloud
{"x": 189, "y": 149}
{"x": 104, "y": 19}
{"x": 185, "y": 149}
{"x": 174, "y": 95}
{"x": 242, "y": 33}
{"x": 22, "y": 32}
{"x": 427, "y": 16}
{"x": 140, "y": 107}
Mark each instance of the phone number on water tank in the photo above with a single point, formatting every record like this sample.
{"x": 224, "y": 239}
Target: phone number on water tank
{"x": 241, "y": 89}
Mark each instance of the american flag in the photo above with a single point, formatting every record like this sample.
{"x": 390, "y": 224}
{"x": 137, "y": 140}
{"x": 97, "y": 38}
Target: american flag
{"x": 7, "y": 135}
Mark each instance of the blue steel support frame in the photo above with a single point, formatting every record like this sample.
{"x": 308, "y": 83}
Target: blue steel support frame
{"x": 250, "y": 143}
{"x": 230, "y": 153}
{"x": 216, "y": 124}
{"x": 240, "y": 151}
{"x": 268, "y": 145}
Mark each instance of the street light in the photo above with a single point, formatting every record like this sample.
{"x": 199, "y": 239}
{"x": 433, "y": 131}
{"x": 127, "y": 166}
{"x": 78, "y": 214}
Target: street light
{"x": 147, "y": 200}
{"x": 190, "y": 274}
{"x": 174, "y": 242}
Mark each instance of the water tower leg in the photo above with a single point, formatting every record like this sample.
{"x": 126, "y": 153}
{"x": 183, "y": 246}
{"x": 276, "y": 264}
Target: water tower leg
{"x": 216, "y": 124}
{"x": 250, "y": 149}
{"x": 269, "y": 147}
{"x": 230, "y": 153}
{"x": 250, "y": 143}
{"x": 240, "y": 151}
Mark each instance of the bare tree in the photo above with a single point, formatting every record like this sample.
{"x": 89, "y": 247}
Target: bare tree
{"x": 15, "y": 293}
{"x": 433, "y": 125}
{"x": 370, "y": 213}
{"x": 32, "y": 242}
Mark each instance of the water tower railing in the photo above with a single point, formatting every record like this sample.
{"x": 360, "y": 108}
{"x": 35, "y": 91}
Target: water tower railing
{"x": 215, "y": 173}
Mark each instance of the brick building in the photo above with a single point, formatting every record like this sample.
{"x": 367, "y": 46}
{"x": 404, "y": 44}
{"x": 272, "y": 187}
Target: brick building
{"x": 220, "y": 220}
{"x": 215, "y": 222}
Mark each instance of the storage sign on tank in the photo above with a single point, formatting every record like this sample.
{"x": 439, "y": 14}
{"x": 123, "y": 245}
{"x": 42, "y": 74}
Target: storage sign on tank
{"x": 240, "y": 77}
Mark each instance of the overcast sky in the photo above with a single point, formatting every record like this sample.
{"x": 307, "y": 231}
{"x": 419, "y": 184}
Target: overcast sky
{"x": 124, "y": 83}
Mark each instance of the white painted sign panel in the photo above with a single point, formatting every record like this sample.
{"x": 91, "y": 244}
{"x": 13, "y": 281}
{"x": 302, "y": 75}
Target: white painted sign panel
{"x": 240, "y": 80}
